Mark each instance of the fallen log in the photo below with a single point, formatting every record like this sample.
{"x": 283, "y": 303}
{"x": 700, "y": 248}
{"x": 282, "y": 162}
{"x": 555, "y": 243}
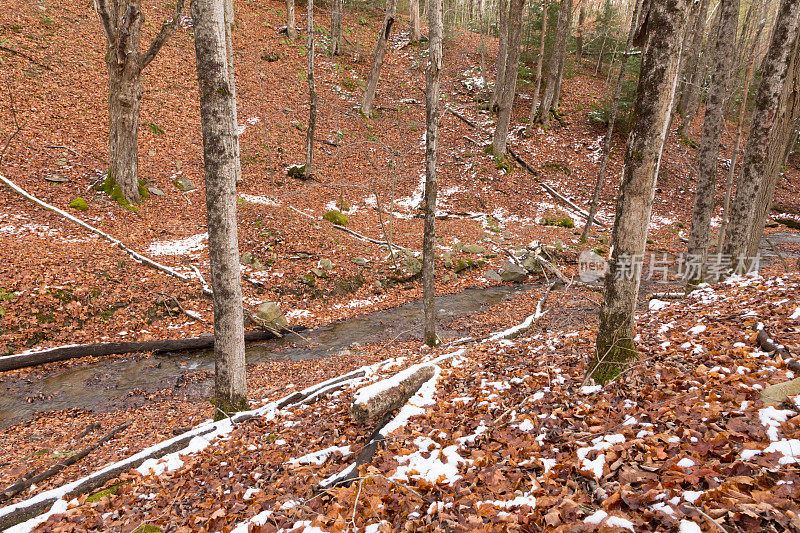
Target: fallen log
{"x": 377, "y": 399}
{"x": 62, "y": 353}
{"x": 766, "y": 343}
{"x": 31, "y": 478}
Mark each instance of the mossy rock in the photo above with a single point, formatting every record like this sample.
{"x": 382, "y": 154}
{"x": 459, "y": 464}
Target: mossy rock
{"x": 342, "y": 204}
{"x": 183, "y": 184}
{"x": 147, "y": 528}
{"x": 100, "y": 494}
{"x": 79, "y": 204}
{"x": 558, "y": 222}
{"x": 473, "y": 249}
{"x": 336, "y": 217}
{"x": 307, "y": 279}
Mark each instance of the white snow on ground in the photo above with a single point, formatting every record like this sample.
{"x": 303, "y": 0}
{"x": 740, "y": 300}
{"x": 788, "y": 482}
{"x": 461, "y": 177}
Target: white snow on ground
{"x": 440, "y": 467}
{"x": 657, "y": 305}
{"x": 195, "y": 243}
{"x": 596, "y": 517}
{"x": 259, "y": 200}
{"x": 299, "y": 313}
{"x": 410, "y": 203}
{"x": 616, "y": 521}
{"x": 687, "y": 526}
{"x": 772, "y": 418}
{"x": 317, "y": 458}
{"x": 519, "y": 501}
{"x": 686, "y": 463}
{"x": 796, "y": 314}
{"x": 700, "y": 328}
{"x": 600, "y": 443}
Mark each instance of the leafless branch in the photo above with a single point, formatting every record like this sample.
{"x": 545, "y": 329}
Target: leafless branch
{"x": 167, "y": 29}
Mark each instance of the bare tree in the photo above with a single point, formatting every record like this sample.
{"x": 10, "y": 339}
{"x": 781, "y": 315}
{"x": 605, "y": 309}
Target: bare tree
{"x": 216, "y": 112}
{"x": 337, "y": 12}
{"x": 660, "y": 29}
{"x": 432, "y": 115}
{"x": 539, "y": 61}
{"x": 556, "y": 66}
{"x": 377, "y": 60}
{"x": 312, "y": 93}
{"x": 601, "y": 175}
{"x": 581, "y": 29}
{"x": 291, "y": 25}
{"x": 416, "y": 31}
{"x": 502, "y": 52}
{"x": 506, "y": 101}
{"x": 700, "y": 234}
{"x": 122, "y": 23}
{"x": 774, "y": 71}
{"x": 692, "y": 45}
{"x": 229, "y": 24}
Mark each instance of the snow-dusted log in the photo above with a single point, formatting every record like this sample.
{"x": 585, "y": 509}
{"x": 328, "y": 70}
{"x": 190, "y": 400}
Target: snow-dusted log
{"x": 62, "y": 353}
{"x": 379, "y": 398}
{"x": 136, "y": 256}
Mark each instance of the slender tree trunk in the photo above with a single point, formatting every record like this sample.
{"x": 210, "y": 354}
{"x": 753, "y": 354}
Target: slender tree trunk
{"x": 598, "y": 186}
{"x": 600, "y": 55}
{"x": 216, "y": 111}
{"x": 432, "y": 114}
{"x": 416, "y": 31}
{"x": 312, "y": 93}
{"x": 506, "y": 101}
{"x": 700, "y": 234}
{"x": 662, "y": 28}
{"x": 336, "y": 26}
{"x": 579, "y": 40}
{"x": 774, "y": 70}
{"x": 691, "y": 55}
{"x": 377, "y": 62}
{"x": 748, "y": 78}
{"x": 502, "y": 54}
{"x": 230, "y": 20}
{"x": 556, "y": 63}
{"x": 539, "y": 61}
{"x": 783, "y": 138}
{"x": 291, "y": 25}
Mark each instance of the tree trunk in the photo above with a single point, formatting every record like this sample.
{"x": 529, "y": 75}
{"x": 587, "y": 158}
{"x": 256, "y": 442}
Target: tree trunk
{"x": 598, "y": 186}
{"x": 662, "y": 27}
{"x": 556, "y": 62}
{"x": 700, "y": 234}
{"x": 774, "y": 70}
{"x": 691, "y": 54}
{"x": 506, "y": 101}
{"x": 692, "y": 97}
{"x": 502, "y": 53}
{"x": 291, "y": 25}
{"x": 432, "y": 115}
{"x": 312, "y": 93}
{"x": 416, "y": 31}
{"x": 377, "y": 61}
{"x": 230, "y": 21}
{"x": 539, "y": 61}
{"x": 783, "y": 138}
{"x": 336, "y": 26}
{"x": 579, "y": 40}
{"x": 216, "y": 112}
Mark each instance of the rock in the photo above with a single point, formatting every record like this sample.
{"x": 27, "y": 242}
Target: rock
{"x": 183, "y": 184}
{"x": 325, "y": 264}
{"x": 412, "y": 264}
{"x": 463, "y": 264}
{"x": 446, "y": 278}
{"x": 247, "y": 258}
{"x": 513, "y": 273}
{"x": 336, "y": 217}
{"x": 492, "y": 275}
{"x": 307, "y": 279}
{"x": 258, "y": 265}
{"x": 530, "y": 264}
{"x": 271, "y": 314}
{"x": 473, "y": 249}
{"x": 56, "y": 179}
{"x": 79, "y": 204}
{"x": 780, "y": 393}
{"x": 360, "y": 261}
{"x": 319, "y": 272}
{"x": 591, "y": 267}
{"x": 297, "y": 172}
{"x": 447, "y": 259}
{"x": 152, "y": 189}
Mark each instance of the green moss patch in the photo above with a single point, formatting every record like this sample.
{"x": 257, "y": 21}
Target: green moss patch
{"x": 79, "y": 204}
{"x": 336, "y": 217}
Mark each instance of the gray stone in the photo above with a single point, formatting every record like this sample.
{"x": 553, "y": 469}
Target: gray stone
{"x": 780, "y": 393}
{"x": 447, "y": 259}
{"x": 473, "y": 249}
{"x": 319, "y": 272}
{"x": 360, "y": 261}
{"x": 258, "y": 265}
{"x": 412, "y": 264}
{"x": 183, "y": 184}
{"x": 513, "y": 273}
{"x": 247, "y": 258}
{"x": 152, "y": 189}
{"x": 325, "y": 264}
{"x": 530, "y": 264}
{"x": 270, "y": 313}
{"x": 492, "y": 275}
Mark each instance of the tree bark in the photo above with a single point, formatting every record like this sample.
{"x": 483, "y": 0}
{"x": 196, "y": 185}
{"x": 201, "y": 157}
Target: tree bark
{"x": 230, "y": 21}
{"x": 579, "y": 40}
{"x": 312, "y": 93}
{"x": 506, "y": 101}
{"x": 661, "y": 29}
{"x": 691, "y": 54}
{"x": 216, "y": 112}
{"x": 377, "y": 61}
{"x": 502, "y": 53}
{"x": 700, "y": 234}
{"x": 539, "y": 61}
{"x": 336, "y": 26}
{"x": 623, "y": 69}
{"x": 432, "y": 115}
{"x": 125, "y": 62}
{"x": 555, "y": 68}
{"x": 291, "y": 25}
{"x": 774, "y": 70}
{"x": 416, "y": 31}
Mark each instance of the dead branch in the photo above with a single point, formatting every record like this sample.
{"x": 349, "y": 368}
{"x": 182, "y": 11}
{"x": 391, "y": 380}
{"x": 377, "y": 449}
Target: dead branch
{"x": 24, "y": 56}
{"x": 30, "y": 479}
{"x": 17, "y": 127}
{"x": 167, "y": 29}
{"x": 351, "y": 232}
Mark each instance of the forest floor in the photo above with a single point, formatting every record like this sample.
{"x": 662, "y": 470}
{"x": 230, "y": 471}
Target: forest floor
{"x": 60, "y": 285}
